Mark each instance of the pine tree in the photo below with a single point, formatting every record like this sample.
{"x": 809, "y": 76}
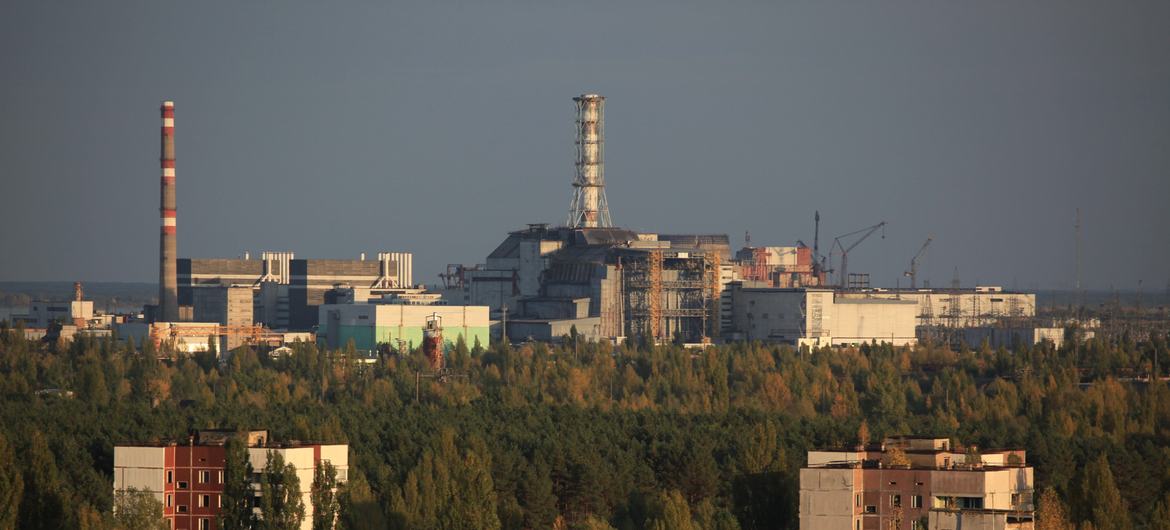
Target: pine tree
{"x": 45, "y": 503}
{"x": 359, "y": 506}
{"x": 1107, "y": 510}
{"x": 323, "y": 496}
{"x": 536, "y": 495}
{"x": 11, "y": 486}
{"x": 236, "y": 503}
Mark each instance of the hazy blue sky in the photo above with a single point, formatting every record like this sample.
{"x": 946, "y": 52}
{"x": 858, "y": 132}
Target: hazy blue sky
{"x": 436, "y": 128}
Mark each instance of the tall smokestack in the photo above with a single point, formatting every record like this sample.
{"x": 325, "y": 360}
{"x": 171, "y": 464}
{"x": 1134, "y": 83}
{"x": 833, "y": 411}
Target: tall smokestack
{"x": 589, "y": 208}
{"x": 168, "y": 282}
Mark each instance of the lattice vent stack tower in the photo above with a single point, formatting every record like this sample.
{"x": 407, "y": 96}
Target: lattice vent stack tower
{"x": 589, "y": 208}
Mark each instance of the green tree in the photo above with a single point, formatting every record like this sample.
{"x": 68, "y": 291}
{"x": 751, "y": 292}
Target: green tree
{"x": 236, "y": 511}
{"x": 45, "y": 500}
{"x": 359, "y": 506}
{"x": 324, "y": 496}
{"x": 138, "y": 510}
{"x": 281, "y": 507}
{"x": 1106, "y": 508}
{"x": 536, "y": 495}
{"x": 11, "y": 486}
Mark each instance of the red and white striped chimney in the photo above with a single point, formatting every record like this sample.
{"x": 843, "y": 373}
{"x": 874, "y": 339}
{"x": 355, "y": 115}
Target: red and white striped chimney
{"x": 168, "y": 282}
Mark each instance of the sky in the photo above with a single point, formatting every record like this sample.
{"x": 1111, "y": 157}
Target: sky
{"x": 331, "y": 129}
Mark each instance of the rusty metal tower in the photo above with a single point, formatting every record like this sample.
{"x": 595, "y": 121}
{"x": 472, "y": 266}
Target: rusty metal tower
{"x": 589, "y": 208}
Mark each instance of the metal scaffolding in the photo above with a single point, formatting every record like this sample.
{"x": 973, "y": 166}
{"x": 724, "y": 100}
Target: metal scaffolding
{"x": 669, "y": 295}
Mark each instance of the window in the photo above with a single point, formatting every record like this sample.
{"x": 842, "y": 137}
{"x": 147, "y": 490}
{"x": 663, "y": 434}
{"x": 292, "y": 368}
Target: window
{"x": 896, "y": 500}
{"x": 219, "y": 501}
{"x": 170, "y": 477}
{"x": 857, "y": 500}
{"x": 204, "y": 501}
{"x": 1015, "y": 499}
{"x": 170, "y": 500}
{"x": 916, "y": 501}
{"x": 204, "y": 477}
{"x": 857, "y": 524}
{"x": 869, "y": 508}
{"x": 220, "y": 477}
{"x": 182, "y": 508}
{"x": 182, "y": 484}
{"x": 205, "y": 524}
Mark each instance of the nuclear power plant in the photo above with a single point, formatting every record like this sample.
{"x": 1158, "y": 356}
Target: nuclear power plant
{"x": 588, "y": 278}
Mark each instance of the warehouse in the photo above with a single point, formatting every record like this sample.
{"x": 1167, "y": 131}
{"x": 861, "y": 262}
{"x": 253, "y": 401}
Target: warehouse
{"x": 819, "y": 317}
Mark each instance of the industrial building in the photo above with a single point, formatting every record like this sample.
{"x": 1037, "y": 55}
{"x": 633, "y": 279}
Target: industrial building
{"x": 835, "y": 316}
{"x": 958, "y": 308}
{"x": 77, "y": 312}
{"x": 396, "y": 321}
{"x": 916, "y": 484}
{"x": 543, "y": 282}
{"x": 818, "y": 317}
{"x": 603, "y": 281}
{"x": 241, "y": 300}
{"x": 188, "y": 477}
{"x": 287, "y": 290}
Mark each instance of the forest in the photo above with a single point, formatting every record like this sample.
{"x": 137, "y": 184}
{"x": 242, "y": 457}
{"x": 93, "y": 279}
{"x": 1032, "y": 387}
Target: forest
{"x": 589, "y": 435}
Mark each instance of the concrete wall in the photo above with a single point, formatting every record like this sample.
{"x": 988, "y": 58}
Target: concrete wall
{"x": 1010, "y": 337}
{"x": 548, "y": 330}
{"x": 827, "y": 498}
{"x": 859, "y": 321}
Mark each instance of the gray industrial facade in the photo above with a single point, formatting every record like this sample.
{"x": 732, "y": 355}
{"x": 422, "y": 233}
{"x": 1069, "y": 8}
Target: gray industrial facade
{"x": 286, "y": 291}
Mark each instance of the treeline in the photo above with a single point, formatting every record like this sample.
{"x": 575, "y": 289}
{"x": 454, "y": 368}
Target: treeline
{"x": 590, "y": 435}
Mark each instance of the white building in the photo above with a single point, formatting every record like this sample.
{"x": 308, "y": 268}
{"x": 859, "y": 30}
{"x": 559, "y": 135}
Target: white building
{"x": 819, "y": 317}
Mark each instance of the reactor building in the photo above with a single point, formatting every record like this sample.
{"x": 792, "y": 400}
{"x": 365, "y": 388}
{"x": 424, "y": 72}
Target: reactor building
{"x": 602, "y": 281}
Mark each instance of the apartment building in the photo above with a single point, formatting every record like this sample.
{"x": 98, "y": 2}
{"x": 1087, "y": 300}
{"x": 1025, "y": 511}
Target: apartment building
{"x": 188, "y": 478}
{"x": 916, "y": 483}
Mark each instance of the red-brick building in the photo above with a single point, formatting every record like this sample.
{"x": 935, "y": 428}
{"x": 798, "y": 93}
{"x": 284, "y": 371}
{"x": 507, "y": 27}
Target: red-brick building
{"x": 188, "y": 478}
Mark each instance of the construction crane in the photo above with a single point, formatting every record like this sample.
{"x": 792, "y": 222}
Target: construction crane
{"x": 913, "y": 272}
{"x": 865, "y": 233}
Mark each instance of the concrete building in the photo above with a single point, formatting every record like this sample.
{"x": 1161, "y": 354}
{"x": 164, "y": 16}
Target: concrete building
{"x": 958, "y": 308}
{"x": 43, "y": 313}
{"x": 936, "y": 487}
{"x": 818, "y": 317}
{"x": 286, "y": 290}
{"x": 606, "y": 282}
{"x": 395, "y": 321}
{"x": 188, "y": 478}
{"x": 229, "y": 306}
{"x": 1011, "y": 336}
